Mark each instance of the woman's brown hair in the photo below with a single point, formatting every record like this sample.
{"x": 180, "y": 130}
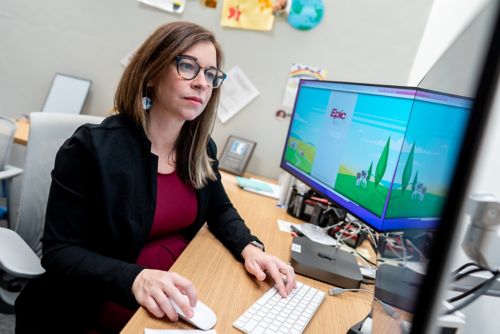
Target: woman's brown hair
{"x": 158, "y": 51}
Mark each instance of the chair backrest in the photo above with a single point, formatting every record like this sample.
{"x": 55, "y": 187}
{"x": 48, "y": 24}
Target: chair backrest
{"x": 47, "y": 133}
{"x": 7, "y": 132}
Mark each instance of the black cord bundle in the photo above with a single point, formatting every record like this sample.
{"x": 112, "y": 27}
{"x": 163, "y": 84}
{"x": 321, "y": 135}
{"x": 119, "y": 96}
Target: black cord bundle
{"x": 476, "y": 291}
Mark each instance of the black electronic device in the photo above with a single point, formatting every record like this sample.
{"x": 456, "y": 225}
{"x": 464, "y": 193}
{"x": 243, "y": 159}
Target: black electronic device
{"x": 307, "y": 206}
{"x": 350, "y": 236}
{"x": 325, "y": 263}
{"x": 317, "y": 214}
{"x": 297, "y": 206}
{"x": 398, "y": 286}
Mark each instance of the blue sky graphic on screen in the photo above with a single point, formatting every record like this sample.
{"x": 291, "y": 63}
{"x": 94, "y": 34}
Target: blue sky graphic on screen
{"x": 385, "y": 153}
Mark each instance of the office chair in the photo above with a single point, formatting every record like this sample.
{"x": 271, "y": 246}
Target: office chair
{"x": 20, "y": 248}
{"x": 7, "y": 172}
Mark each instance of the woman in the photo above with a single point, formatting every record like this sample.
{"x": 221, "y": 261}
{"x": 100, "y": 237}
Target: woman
{"x": 129, "y": 194}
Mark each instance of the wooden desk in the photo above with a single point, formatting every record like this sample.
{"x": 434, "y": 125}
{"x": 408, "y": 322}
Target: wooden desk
{"x": 22, "y": 132}
{"x": 224, "y": 285}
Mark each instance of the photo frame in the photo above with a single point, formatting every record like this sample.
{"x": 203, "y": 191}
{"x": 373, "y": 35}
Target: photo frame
{"x": 236, "y": 155}
{"x": 67, "y": 94}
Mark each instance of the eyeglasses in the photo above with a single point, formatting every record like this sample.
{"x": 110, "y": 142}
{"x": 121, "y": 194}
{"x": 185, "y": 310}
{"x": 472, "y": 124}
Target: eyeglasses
{"x": 188, "y": 69}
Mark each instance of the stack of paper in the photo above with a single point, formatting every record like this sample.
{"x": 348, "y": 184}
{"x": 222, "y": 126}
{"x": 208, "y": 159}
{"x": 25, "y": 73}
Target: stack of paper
{"x": 259, "y": 187}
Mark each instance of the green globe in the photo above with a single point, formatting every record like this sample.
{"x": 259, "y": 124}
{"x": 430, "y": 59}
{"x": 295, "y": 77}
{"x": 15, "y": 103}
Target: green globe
{"x": 305, "y": 14}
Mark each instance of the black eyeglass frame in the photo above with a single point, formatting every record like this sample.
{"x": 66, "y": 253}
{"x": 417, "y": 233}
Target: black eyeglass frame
{"x": 219, "y": 74}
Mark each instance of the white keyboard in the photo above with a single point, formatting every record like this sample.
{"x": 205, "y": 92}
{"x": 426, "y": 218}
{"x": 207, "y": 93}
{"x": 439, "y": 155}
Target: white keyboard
{"x": 272, "y": 313}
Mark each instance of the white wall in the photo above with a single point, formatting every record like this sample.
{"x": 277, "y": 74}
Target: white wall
{"x": 447, "y": 18}
{"x": 358, "y": 40}
{"x": 486, "y": 177}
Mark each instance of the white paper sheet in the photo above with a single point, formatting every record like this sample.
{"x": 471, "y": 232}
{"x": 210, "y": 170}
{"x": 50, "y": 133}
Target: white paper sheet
{"x": 172, "y": 6}
{"x": 276, "y": 190}
{"x": 237, "y": 92}
{"x": 285, "y": 226}
{"x": 297, "y": 72}
{"x": 317, "y": 234}
{"x": 177, "y": 331}
{"x": 126, "y": 60}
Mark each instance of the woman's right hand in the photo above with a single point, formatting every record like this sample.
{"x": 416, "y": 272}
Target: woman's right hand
{"x": 154, "y": 289}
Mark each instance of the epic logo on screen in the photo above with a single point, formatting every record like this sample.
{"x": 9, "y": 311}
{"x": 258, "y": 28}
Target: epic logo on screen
{"x": 338, "y": 114}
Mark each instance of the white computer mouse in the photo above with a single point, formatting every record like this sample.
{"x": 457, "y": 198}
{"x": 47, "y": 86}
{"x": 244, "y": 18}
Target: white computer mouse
{"x": 204, "y": 318}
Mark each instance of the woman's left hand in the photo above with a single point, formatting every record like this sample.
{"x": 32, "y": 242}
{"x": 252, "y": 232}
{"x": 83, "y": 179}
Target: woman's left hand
{"x": 258, "y": 263}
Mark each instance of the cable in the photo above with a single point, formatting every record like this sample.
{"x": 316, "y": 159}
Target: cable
{"x": 462, "y": 267}
{"x": 326, "y": 228}
{"x": 416, "y": 249}
{"x": 402, "y": 240}
{"x": 360, "y": 228}
{"x": 387, "y": 308}
{"x": 484, "y": 287}
{"x": 404, "y": 257}
{"x": 363, "y": 281}
{"x": 352, "y": 234}
{"x": 374, "y": 240}
{"x": 355, "y": 252}
{"x": 391, "y": 248}
{"x": 467, "y": 273}
{"x": 466, "y": 293}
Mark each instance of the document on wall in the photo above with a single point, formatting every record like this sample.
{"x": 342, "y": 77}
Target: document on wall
{"x": 247, "y": 14}
{"x": 237, "y": 92}
{"x": 297, "y": 72}
{"x": 172, "y": 6}
{"x": 126, "y": 60}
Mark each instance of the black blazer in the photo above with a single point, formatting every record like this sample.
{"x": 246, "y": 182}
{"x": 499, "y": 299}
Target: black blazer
{"x": 100, "y": 210}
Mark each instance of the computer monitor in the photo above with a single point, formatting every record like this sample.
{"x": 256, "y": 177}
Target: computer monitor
{"x": 384, "y": 153}
{"x": 469, "y": 67}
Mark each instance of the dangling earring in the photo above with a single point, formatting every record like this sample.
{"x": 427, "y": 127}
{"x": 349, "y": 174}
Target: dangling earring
{"x": 147, "y": 103}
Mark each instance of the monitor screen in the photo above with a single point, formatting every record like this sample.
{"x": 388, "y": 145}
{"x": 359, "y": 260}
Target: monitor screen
{"x": 383, "y": 153}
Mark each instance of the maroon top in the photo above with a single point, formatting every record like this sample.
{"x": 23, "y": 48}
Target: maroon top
{"x": 176, "y": 208}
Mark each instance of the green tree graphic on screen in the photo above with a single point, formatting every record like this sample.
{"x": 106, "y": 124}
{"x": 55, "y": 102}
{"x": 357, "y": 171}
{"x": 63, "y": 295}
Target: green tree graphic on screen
{"x": 369, "y": 174}
{"x": 382, "y": 162}
{"x": 415, "y": 180}
{"x": 407, "y": 170}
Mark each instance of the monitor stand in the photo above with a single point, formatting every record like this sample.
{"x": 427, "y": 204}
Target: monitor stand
{"x": 325, "y": 263}
{"x": 398, "y": 286}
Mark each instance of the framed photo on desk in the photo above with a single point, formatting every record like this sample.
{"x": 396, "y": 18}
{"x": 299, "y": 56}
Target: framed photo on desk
{"x": 236, "y": 155}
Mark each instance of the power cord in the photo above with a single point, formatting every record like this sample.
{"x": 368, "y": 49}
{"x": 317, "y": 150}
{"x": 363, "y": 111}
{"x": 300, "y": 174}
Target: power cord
{"x": 364, "y": 281}
{"x": 459, "y": 276}
{"x": 387, "y": 308}
{"x": 462, "y": 267}
{"x": 356, "y": 253}
{"x": 476, "y": 292}
{"x": 363, "y": 227}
